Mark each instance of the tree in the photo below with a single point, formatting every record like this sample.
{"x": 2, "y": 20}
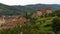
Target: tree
{"x": 56, "y": 25}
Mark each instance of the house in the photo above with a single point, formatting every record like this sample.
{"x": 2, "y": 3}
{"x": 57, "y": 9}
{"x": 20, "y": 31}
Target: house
{"x": 34, "y": 15}
{"x": 8, "y": 19}
{"x": 41, "y": 12}
{"x": 21, "y": 20}
{"x": 48, "y": 10}
{"x": 2, "y": 21}
{"x": 45, "y": 11}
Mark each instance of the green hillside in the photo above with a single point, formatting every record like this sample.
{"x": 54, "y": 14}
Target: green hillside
{"x": 9, "y": 10}
{"x": 18, "y": 10}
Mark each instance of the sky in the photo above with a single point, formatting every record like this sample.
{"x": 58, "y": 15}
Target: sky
{"x": 27, "y": 2}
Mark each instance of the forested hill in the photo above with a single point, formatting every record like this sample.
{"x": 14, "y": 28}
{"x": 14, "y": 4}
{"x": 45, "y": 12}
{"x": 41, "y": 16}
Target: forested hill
{"x": 9, "y": 10}
{"x": 53, "y": 6}
{"x": 17, "y": 10}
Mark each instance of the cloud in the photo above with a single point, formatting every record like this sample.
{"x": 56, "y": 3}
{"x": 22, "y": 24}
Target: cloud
{"x": 25, "y": 2}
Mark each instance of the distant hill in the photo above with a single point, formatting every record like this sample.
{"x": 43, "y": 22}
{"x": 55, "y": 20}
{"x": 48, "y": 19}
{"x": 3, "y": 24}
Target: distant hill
{"x": 8, "y": 10}
{"x": 18, "y": 9}
{"x": 34, "y": 7}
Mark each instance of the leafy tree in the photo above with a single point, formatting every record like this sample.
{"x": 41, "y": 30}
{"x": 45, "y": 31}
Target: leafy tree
{"x": 57, "y": 13}
{"x": 56, "y": 25}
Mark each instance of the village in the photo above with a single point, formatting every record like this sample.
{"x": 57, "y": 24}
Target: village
{"x": 29, "y": 23}
{"x": 12, "y": 20}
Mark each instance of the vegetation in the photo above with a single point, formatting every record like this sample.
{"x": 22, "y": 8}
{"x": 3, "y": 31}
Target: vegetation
{"x": 56, "y": 25}
{"x": 39, "y": 25}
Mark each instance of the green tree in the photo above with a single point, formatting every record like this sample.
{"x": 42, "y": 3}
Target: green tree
{"x": 56, "y": 25}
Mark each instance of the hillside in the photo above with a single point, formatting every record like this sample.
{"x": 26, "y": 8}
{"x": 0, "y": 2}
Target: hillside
{"x": 18, "y": 9}
{"x": 9, "y": 10}
{"x": 36, "y": 6}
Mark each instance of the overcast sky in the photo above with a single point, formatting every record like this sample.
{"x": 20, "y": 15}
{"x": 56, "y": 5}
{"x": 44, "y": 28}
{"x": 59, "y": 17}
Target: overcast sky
{"x": 26, "y": 2}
